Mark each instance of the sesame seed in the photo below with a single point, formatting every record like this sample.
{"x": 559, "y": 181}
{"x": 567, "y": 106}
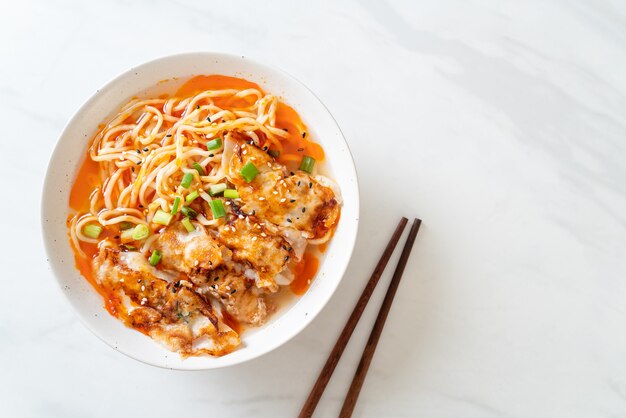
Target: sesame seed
{"x": 261, "y": 198}
{"x": 240, "y": 216}
{"x": 245, "y": 152}
{"x": 303, "y": 210}
{"x": 233, "y": 291}
{"x": 310, "y": 185}
{"x": 227, "y": 202}
{"x": 288, "y": 220}
{"x": 282, "y": 200}
{"x": 211, "y": 155}
{"x": 292, "y": 200}
{"x": 263, "y": 234}
{"x": 143, "y": 288}
{"x": 274, "y": 192}
{"x": 121, "y": 280}
{"x": 254, "y": 238}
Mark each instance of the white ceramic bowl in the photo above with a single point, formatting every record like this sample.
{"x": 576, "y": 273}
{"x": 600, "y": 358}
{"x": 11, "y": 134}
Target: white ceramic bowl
{"x": 72, "y": 147}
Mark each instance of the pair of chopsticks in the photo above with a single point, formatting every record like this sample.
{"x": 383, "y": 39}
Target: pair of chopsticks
{"x": 368, "y": 353}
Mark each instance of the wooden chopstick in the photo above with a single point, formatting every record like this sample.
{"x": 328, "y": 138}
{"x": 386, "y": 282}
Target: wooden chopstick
{"x": 333, "y": 358}
{"x": 368, "y": 353}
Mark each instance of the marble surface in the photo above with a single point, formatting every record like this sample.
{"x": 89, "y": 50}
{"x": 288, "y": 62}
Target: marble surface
{"x": 501, "y": 124}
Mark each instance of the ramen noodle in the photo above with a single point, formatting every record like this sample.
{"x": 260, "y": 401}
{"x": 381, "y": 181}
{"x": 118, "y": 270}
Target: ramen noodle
{"x": 191, "y": 211}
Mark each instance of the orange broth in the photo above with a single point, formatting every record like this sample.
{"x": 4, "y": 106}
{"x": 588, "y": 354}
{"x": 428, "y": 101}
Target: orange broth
{"x": 295, "y": 145}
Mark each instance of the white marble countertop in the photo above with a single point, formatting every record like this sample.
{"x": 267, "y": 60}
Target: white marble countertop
{"x": 501, "y": 125}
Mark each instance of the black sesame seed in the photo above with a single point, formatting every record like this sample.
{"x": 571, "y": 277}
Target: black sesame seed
{"x": 303, "y": 134}
{"x": 303, "y": 210}
{"x": 233, "y": 291}
{"x": 133, "y": 169}
{"x": 285, "y": 129}
{"x": 198, "y": 107}
{"x": 116, "y": 237}
{"x": 145, "y": 149}
{"x": 298, "y": 182}
{"x": 138, "y": 151}
{"x": 292, "y": 200}
{"x": 310, "y": 185}
{"x": 300, "y": 149}
{"x": 168, "y": 135}
{"x": 211, "y": 155}
{"x": 216, "y": 279}
{"x": 208, "y": 119}
{"x": 285, "y": 247}
{"x": 139, "y": 163}
{"x": 292, "y": 173}
{"x": 265, "y": 148}
{"x": 286, "y": 258}
{"x": 252, "y": 213}
{"x": 141, "y": 206}
{"x": 288, "y": 220}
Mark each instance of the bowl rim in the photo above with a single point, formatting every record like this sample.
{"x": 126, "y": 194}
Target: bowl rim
{"x": 48, "y": 241}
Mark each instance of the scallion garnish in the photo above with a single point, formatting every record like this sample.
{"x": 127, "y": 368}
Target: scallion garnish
{"x": 198, "y": 168}
{"x": 191, "y": 196}
{"x": 187, "y": 179}
{"x": 249, "y": 172}
{"x": 188, "y": 212}
{"x": 307, "y": 164}
{"x": 231, "y": 194}
{"x": 217, "y": 208}
{"x": 155, "y": 257}
{"x": 214, "y": 144}
{"x": 126, "y": 225}
{"x": 175, "y": 205}
{"x": 187, "y": 224}
{"x": 162, "y": 218}
{"x": 92, "y": 231}
{"x": 217, "y": 188}
{"x": 141, "y": 231}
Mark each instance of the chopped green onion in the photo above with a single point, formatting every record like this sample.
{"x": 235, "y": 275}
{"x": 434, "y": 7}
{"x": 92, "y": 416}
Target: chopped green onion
{"x": 231, "y": 194}
{"x": 187, "y": 224}
{"x": 249, "y": 172}
{"x": 188, "y": 212}
{"x": 274, "y": 153}
{"x": 155, "y": 257}
{"x": 217, "y": 188}
{"x": 141, "y": 231}
{"x": 175, "y": 205}
{"x": 126, "y": 225}
{"x": 191, "y": 196}
{"x": 92, "y": 231}
{"x": 127, "y": 235}
{"x": 217, "y": 208}
{"x": 214, "y": 144}
{"x": 187, "y": 179}
{"x": 307, "y": 164}
{"x": 162, "y": 218}
{"x": 198, "y": 168}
